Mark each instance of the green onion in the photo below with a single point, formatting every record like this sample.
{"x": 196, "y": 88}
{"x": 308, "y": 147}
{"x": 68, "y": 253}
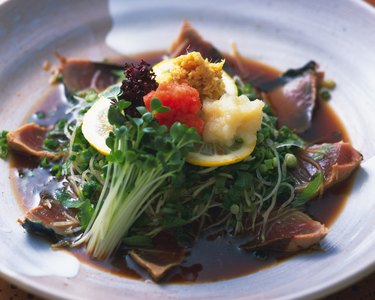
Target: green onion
{"x": 45, "y": 162}
{"x": 326, "y": 95}
{"x": 290, "y": 160}
{"x": 312, "y": 190}
{"x": 235, "y": 209}
{"x": 329, "y": 84}
{"x": 51, "y": 144}
{"x": 56, "y": 170}
{"x": 4, "y": 149}
{"x": 40, "y": 115}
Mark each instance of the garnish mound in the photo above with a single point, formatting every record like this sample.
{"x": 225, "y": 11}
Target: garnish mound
{"x": 230, "y": 118}
{"x": 197, "y": 72}
{"x": 182, "y": 100}
{"x": 139, "y": 81}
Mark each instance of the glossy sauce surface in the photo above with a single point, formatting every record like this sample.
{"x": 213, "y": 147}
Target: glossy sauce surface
{"x": 214, "y": 257}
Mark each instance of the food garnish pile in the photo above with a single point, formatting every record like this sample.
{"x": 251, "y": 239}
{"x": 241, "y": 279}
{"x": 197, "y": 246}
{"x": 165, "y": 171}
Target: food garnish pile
{"x": 180, "y": 149}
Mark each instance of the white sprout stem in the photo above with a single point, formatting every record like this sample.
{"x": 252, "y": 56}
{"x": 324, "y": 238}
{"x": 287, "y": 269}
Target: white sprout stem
{"x": 291, "y": 196}
{"x": 266, "y": 216}
{"x": 279, "y": 175}
{"x": 203, "y": 186}
{"x": 124, "y": 213}
{"x": 261, "y": 179}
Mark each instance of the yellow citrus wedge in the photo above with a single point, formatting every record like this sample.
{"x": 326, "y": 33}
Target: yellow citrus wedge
{"x": 213, "y": 155}
{"x": 163, "y": 68}
{"x": 96, "y": 127}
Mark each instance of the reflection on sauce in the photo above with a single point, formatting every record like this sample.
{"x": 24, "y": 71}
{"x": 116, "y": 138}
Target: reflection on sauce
{"x": 211, "y": 258}
{"x": 326, "y": 126}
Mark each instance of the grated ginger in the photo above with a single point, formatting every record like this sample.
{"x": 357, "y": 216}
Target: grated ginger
{"x": 231, "y": 117}
{"x": 199, "y": 73}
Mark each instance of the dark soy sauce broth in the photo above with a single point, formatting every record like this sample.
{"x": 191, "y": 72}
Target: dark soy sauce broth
{"x": 214, "y": 257}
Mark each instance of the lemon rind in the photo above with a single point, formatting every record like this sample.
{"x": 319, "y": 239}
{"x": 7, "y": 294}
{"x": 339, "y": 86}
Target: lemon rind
{"x": 201, "y": 160}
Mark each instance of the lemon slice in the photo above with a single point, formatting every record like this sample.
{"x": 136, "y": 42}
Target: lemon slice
{"x": 163, "y": 68}
{"x": 213, "y": 155}
{"x": 95, "y": 125}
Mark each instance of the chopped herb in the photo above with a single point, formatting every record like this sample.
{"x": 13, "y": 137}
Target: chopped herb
{"x": 4, "y": 149}
{"x": 312, "y": 190}
{"x": 234, "y": 209}
{"x": 86, "y": 213}
{"x": 45, "y": 162}
{"x": 60, "y": 125}
{"x": 326, "y": 95}
{"x": 88, "y": 96}
{"x": 51, "y": 144}
{"x": 329, "y": 84}
{"x": 248, "y": 90}
{"x": 57, "y": 170}
{"x": 66, "y": 199}
{"x": 40, "y": 115}
{"x": 89, "y": 189}
{"x": 290, "y": 160}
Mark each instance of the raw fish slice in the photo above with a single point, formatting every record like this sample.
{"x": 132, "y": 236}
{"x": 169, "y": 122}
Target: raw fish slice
{"x": 81, "y": 74}
{"x": 293, "y": 96}
{"x": 157, "y": 262}
{"x": 337, "y": 161}
{"x": 50, "y": 219}
{"x": 292, "y": 232}
{"x": 190, "y": 40}
{"x": 28, "y": 141}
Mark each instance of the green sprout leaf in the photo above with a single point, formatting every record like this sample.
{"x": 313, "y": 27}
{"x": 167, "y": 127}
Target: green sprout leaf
{"x": 157, "y": 107}
{"x": 113, "y": 92}
{"x": 3, "y": 144}
{"x": 310, "y": 191}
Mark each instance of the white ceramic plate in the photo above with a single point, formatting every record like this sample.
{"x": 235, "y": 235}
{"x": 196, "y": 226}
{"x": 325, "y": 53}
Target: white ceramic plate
{"x": 338, "y": 34}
